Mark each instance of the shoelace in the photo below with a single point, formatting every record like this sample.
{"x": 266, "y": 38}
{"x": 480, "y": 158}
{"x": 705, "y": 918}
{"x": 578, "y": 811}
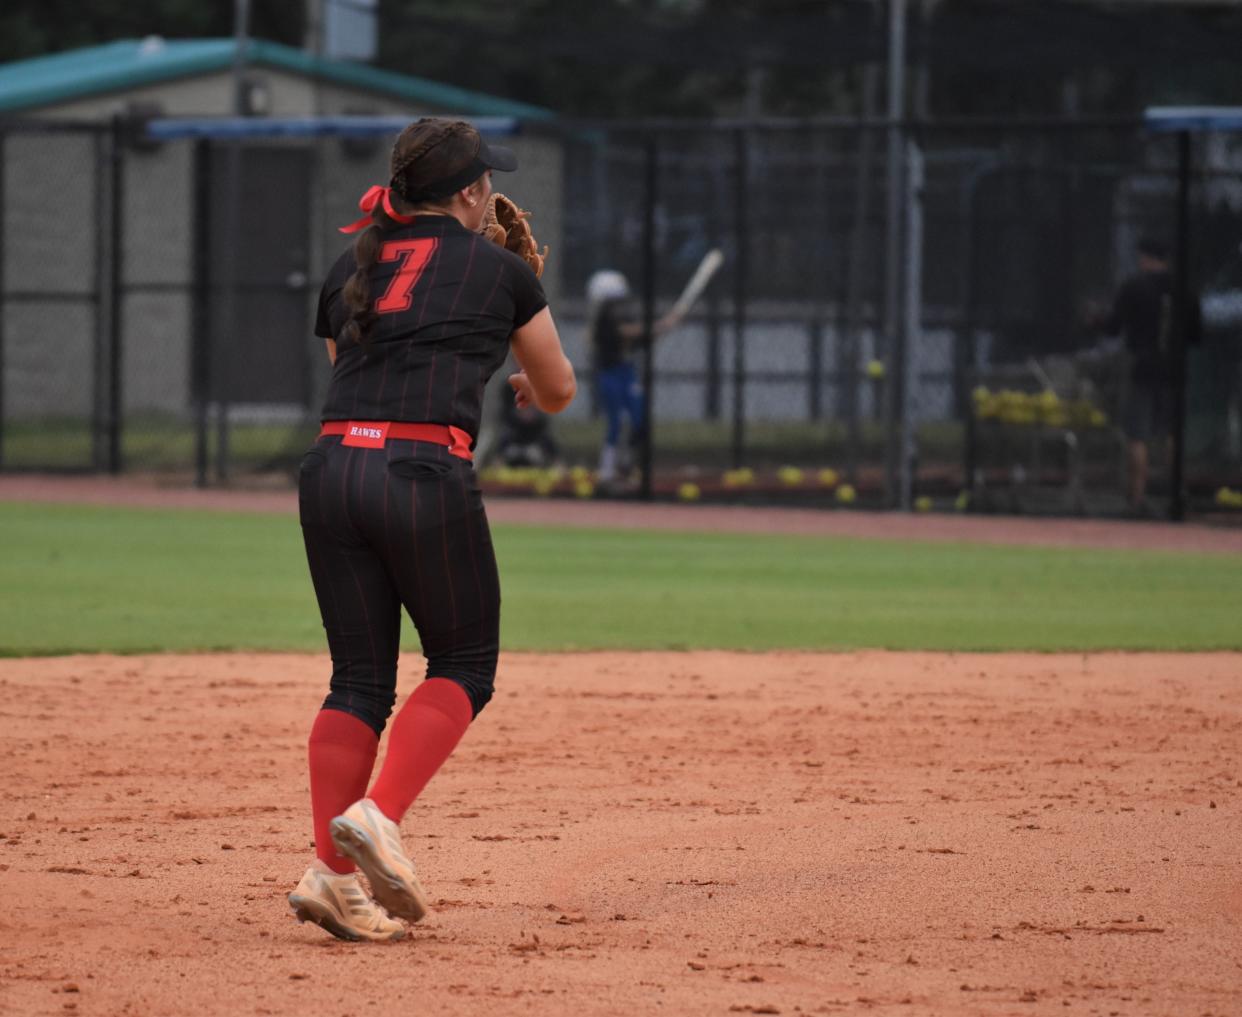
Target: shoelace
{"x": 392, "y": 838}
{"x": 359, "y": 903}
{"x": 363, "y": 907}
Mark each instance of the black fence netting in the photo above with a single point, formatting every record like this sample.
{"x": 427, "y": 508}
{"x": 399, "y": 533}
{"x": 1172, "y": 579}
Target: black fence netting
{"x": 55, "y": 349}
{"x": 914, "y": 315}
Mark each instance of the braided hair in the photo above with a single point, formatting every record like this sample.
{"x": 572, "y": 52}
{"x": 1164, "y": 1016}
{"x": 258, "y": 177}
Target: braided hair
{"x": 427, "y": 151}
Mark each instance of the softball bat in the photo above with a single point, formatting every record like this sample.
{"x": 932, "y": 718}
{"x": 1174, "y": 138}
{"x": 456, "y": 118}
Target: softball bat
{"x": 708, "y": 267}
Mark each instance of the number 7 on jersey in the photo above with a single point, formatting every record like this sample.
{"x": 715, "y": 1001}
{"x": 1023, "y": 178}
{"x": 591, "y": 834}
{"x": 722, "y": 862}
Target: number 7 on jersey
{"x": 413, "y": 255}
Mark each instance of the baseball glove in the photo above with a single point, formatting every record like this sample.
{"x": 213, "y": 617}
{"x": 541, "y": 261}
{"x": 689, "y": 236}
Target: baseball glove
{"x": 505, "y": 224}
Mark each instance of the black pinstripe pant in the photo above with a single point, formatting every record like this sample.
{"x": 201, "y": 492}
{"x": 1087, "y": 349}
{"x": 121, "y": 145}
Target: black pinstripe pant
{"x": 399, "y": 525}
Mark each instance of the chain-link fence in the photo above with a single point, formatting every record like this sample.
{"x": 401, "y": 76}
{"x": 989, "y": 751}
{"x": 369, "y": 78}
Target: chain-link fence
{"x": 930, "y": 337}
{"x": 56, "y": 309}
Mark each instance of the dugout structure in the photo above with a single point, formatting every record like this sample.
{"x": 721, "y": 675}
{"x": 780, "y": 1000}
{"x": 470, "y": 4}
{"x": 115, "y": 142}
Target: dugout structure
{"x": 159, "y": 278}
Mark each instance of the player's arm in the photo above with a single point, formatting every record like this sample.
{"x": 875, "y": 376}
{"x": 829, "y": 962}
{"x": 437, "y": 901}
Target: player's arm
{"x": 546, "y": 378}
{"x": 632, "y": 330}
{"x": 331, "y": 344}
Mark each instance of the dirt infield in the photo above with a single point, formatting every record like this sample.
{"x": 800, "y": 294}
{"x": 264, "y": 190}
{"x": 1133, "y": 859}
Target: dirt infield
{"x": 652, "y": 833}
{"x": 1202, "y": 539}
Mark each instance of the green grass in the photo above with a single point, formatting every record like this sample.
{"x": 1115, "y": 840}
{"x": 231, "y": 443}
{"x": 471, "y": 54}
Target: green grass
{"x": 150, "y": 442}
{"x": 78, "y": 578}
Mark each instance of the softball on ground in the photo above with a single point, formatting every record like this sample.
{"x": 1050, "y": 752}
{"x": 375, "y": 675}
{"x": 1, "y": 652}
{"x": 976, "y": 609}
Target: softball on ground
{"x": 790, "y": 476}
{"x": 828, "y": 478}
{"x": 922, "y": 503}
{"x": 846, "y": 494}
{"x": 688, "y": 492}
{"x": 739, "y": 478}
{"x": 875, "y": 369}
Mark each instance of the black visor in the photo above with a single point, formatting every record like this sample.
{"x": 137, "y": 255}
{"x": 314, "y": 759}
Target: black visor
{"x": 489, "y": 157}
{"x": 497, "y": 158}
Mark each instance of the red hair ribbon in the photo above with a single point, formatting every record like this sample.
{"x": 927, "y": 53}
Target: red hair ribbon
{"x": 374, "y": 196}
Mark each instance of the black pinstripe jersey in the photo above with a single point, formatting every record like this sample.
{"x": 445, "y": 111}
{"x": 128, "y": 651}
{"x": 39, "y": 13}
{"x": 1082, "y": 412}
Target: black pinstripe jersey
{"x": 448, "y": 301}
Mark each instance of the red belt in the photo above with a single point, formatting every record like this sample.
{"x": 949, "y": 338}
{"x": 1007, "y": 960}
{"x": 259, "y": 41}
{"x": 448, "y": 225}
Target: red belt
{"x": 373, "y": 434}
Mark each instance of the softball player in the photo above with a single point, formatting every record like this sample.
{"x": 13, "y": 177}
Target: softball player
{"x": 615, "y": 331}
{"x": 417, "y": 317}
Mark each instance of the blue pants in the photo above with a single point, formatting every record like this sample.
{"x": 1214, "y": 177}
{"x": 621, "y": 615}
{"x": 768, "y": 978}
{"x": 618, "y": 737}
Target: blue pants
{"x": 620, "y": 393}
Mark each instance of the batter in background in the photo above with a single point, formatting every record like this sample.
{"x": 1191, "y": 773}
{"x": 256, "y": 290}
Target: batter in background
{"x": 615, "y": 335}
{"x": 417, "y": 315}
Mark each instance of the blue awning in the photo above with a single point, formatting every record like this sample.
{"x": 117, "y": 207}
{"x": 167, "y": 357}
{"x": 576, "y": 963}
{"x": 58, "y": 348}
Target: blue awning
{"x": 1193, "y": 118}
{"x": 173, "y": 128}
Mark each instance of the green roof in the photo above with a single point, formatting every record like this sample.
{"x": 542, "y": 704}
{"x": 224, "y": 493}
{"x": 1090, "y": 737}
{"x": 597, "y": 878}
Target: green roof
{"x": 129, "y": 63}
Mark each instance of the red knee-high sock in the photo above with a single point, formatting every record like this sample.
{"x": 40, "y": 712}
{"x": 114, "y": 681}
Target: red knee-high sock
{"x": 342, "y": 755}
{"x": 425, "y": 732}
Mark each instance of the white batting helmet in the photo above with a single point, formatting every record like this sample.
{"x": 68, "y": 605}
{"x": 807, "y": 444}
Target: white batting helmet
{"x": 607, "y": 284}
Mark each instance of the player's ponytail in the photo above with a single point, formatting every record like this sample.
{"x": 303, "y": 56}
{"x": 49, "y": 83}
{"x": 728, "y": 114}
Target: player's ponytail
{"x": 357, "y": 290}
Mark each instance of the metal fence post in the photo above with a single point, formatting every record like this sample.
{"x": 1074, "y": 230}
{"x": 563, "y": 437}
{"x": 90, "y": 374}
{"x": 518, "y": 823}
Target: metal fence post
{"x": 911, "y": 325}
{"x": 649, "y": 281}
{"x": 102, "y": 288}
{"x": 3, "y": 304}
{"x": 739, "y": 297}
{"x": 200, "y": 362}
{"x": 894, "y": 215}
{"x": 815, "y": 365}
{"x": 224, "y": 338}
{"x": 849, "y": 382}
{"x": 967, "y": 348}
{"x": 711, "y": 395}
{"x": 1181, "y": 320}
{"x": 116, "y": 277}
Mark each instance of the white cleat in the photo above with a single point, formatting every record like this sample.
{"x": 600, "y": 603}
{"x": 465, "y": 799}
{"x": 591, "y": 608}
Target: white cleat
{"x": 373, "y": 841}
{"x": 339, "y": 904}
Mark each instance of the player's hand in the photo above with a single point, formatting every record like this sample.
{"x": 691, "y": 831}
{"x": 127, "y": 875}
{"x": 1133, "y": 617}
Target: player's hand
{"x": 669, "y": 321}
{"x": 523, "y": 394}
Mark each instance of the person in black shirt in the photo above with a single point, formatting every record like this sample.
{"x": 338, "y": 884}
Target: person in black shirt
{"x": 1142, "y": 313}
{"x": 525, "y": 438}
{"x": 416, "y": 316}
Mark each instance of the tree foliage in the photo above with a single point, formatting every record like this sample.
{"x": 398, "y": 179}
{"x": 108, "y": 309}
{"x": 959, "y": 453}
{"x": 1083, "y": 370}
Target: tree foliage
{"x": 30, "y": 28}
{"x": 797, "y": 57}
{"x": 636, "y": 57}
{"x": 626, "y": 58}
